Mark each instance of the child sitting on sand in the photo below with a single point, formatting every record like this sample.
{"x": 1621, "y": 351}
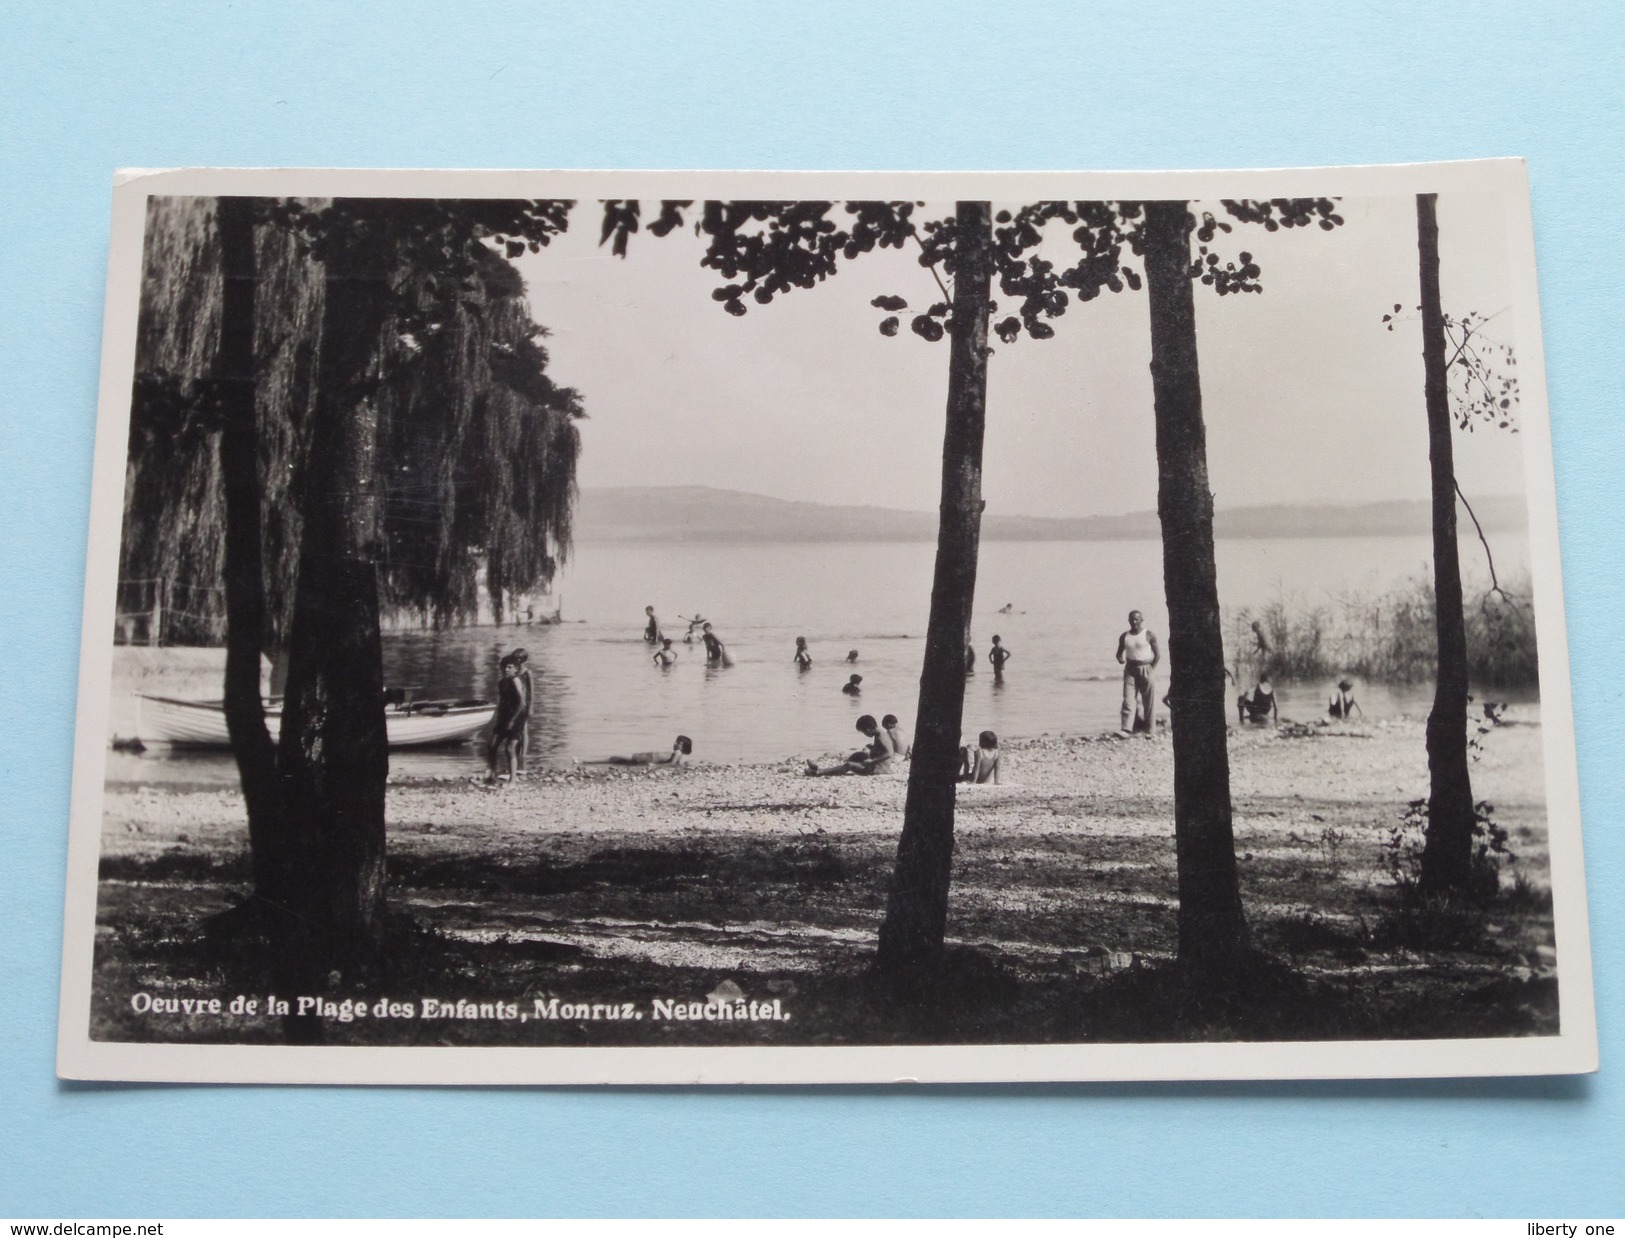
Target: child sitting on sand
{"x": 998, "y": 655}
{"x": 875, "y": 759}
{"x": 895, "y": 730}
{"x": 681, "y": 747}
{"x": 1260, "y": 705}
{"x": 981, "y": 763}
{"x": 1343, "y": 704}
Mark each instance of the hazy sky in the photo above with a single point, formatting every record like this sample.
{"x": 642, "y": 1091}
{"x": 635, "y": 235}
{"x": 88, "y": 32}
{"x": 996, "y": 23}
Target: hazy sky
{"x": 1307, "y": 397}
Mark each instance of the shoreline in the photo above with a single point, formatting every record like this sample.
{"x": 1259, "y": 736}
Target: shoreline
{"x": 636, "y": 884}
{"x": 1086, "y": 783}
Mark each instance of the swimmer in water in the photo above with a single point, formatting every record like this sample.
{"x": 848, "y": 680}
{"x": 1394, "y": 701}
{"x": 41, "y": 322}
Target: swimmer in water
{"x": 803, "y": 656}
{"x": 850, "y": 687}
{"x": 665, "y": 657}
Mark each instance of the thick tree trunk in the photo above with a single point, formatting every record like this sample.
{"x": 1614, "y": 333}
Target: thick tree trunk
{"x": 333, "y": 758}
{"x": 1448, "y": 852}
{"x": 251, "y": 743}
{"x": 917, "y": 911}
{"x": 1212, "y": 929}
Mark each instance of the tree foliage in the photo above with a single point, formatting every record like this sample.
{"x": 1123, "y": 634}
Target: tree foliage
{"x": 477, "y": 446}
{"x": 1483, "y": 371}
{"x": 766, "y": 248}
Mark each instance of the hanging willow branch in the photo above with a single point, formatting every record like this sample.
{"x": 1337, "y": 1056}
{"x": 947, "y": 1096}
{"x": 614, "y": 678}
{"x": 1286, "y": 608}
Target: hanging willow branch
{"x": 478, "y": 446}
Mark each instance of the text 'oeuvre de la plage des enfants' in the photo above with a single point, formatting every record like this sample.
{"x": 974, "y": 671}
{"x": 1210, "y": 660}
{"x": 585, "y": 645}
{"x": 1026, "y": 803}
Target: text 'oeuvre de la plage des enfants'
{"x": 551, "y": 1009}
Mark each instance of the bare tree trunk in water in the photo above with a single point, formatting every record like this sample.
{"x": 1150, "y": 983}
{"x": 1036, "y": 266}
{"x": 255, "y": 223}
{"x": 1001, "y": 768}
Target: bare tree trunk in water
{"x": 251, "y": 743}
{"x": 1448, "y": 852}
{"x": 1213, "y": 942}
{"x": 917, "y": 911}
{"x": 334, "y": 757}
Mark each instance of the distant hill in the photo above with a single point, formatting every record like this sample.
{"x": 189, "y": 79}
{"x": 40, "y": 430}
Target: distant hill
{"x": 703, "y": 514}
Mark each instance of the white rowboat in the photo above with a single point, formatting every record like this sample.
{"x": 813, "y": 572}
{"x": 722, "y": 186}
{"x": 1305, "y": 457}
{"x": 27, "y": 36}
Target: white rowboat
{"x": 202, "y": 724}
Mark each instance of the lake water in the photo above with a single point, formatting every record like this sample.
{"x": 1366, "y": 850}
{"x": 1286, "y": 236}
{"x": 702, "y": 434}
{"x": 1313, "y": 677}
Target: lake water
{"x": 597, "y": 692}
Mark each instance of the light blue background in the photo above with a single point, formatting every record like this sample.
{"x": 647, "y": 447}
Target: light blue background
{"x": 87, "y": 87}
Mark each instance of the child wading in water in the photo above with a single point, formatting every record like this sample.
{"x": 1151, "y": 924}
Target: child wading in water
{"x": 981, "y": 763}
{"x": 998, "y": 655}
{"x": 665, "y": 656}
{"x": 715, "y": 653}
{"x": 851, "y": 686}
{"x": 803, "y": 655}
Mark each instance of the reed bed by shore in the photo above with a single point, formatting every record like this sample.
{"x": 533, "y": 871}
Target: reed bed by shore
{"x": 1391, "y": 636}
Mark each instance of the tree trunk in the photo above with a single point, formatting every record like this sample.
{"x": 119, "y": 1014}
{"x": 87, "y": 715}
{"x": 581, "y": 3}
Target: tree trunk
{"x": 244, "y": 567}
{"x": 334, "y": 757}
{"x": 1212, "y": 929}
{"x": 1448, "y": 852}
{"x": 917, "y": 911}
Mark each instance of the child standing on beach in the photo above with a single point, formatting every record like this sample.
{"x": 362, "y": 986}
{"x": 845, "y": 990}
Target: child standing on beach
{"x": 521, "y": 726}
{"x": 895, "y": 730}
{"x": 510, "y": 701}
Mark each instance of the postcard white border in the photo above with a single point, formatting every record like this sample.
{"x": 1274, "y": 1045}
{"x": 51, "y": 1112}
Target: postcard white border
{"x": 1572, "y": 1051}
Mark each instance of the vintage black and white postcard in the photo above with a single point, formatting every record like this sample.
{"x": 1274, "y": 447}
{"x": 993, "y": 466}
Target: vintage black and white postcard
{"x": 797, "y": 627}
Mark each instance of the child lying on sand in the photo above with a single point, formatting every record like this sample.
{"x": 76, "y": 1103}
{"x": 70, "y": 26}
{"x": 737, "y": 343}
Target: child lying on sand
{"x": 680, "y": 748}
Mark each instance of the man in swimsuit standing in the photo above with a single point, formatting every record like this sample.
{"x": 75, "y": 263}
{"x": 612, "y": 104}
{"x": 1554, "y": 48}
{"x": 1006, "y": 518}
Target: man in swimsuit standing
{"x": 1138, "y": 651}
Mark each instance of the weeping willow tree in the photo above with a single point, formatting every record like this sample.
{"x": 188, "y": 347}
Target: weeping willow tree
{"x": 480, "y": 447}
{"x": 341, "y": 409}
{"x": 477, "y": 444}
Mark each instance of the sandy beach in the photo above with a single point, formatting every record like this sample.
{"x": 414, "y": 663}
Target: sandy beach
{"x": 601, "y": 883}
